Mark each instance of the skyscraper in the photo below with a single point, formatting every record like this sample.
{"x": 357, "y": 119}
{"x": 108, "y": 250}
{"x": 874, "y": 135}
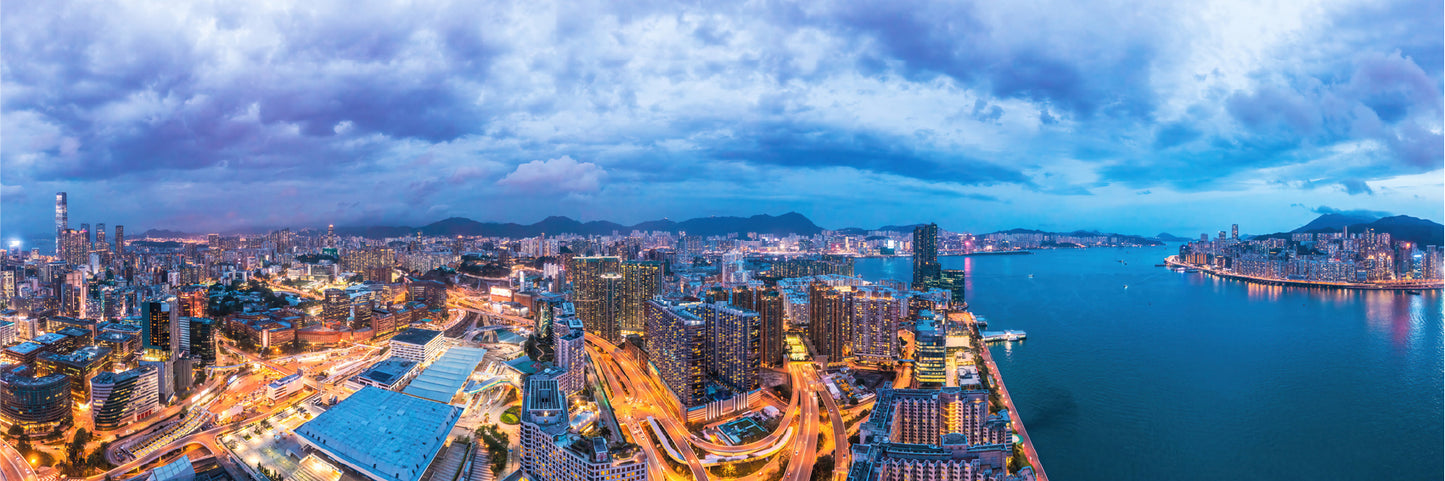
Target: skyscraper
{"x": 875, "y": 312}
{"x": 769, "y": 305}
{"x": 929, "y": 369}
{"x": 828, "y": 322}
{"x": 926, "y": 270}
{"x": 119, "y": 240}
{"x": 100, "y": 241}
{"x": 1234, "y": 231}
{"x": 62, "y": 222}
{"x": 675, "y": 343}
{"x": 336, "y": 306}
{"x": 592, "y": 295}
{"x": 86, "y": 240}
{"x": 640, "y": 281}
{"x": 160, "y": 332}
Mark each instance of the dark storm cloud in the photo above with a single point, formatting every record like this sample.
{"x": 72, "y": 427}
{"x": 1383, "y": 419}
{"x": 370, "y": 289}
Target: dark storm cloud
{"x": 812, "y": 147}
{"x": 413, "y": 108}
{"x": 1324, "y": 209}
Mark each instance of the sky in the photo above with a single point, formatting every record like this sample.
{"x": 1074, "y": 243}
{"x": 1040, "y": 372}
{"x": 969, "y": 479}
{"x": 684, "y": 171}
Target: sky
{"x": 1135, "y": 117}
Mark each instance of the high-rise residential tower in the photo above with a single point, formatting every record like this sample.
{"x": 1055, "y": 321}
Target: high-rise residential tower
{"x": 828, "y": 327}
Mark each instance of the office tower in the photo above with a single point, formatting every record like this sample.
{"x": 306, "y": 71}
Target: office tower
{"x": 929, "y": 367}
{"x": 86, "y": 242}
{"x": 676, "y": 340}
{"x": 546, "y": 309}
{"x": 955, "y": 282}
{"x": 433, "y": 293}
{"x": 100, "y": 241}
{"x": 120, "y": 398}
{"x": 769, "y": 305}
{"x": 203, "y": 340}
{"x": 875, "y": 312}
{"x": 191, "y": 300}
{"x": 336, "y": 306}
{"x": 62, "y": 223}
{"x": 119, "y": 240}
{"x": 828, "y": 323}
{"x": 640, "y": 281}
{"x": 552, "y": 451}
{"x": 361, "y": 306}
{"x": 38, "y": 405}
{"x": 568, "y": 343}
{"x": 1234, "y": 231}
{"x": 165, "y": 377}
{"x": 160, "y": 329}
{"x": 79, "y": 365}
{"x": 925, "y": 256}
{"x": 595, "y": 283}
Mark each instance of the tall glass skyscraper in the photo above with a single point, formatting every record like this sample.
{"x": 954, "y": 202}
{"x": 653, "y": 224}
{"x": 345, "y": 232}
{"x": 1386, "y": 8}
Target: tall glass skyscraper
{"x": 926, "y": 270}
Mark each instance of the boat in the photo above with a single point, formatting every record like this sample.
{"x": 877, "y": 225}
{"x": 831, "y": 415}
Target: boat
{"x": 1031, "y": 276}
{"x": 1161, "y": 265}
{"x": 1413, "y": 292}
{"x": 1126, "y": 286}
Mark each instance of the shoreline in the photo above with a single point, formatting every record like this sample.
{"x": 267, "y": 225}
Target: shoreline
{"x": 1438, "y": 285}
{"x": 1015, "y": 419}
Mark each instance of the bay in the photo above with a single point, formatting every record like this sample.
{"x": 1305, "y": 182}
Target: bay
{"x": 1186, "y": 377}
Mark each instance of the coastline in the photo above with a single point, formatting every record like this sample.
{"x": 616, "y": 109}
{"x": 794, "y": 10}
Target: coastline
{"x": 1424, "y": 285}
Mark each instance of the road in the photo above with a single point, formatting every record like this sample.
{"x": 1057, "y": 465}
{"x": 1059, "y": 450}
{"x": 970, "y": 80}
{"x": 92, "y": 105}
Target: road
{"x": 805, "y": 451}
{"x": 842, "y": 453}
{"x": 13, "y": 465}
{"x": 677, "y": 433}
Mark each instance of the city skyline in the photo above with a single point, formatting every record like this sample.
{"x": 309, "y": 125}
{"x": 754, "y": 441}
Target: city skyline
{"x": 209, "y": 119}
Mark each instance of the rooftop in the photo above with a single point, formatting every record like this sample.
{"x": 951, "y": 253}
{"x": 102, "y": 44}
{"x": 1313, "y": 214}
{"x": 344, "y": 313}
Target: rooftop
{"x": 416, "y": 336}
{"x": 385, "y": 435}
{"x": 390, "y": 370}
{"x": 26, "y": 347}
{"x": 447, "y": 375}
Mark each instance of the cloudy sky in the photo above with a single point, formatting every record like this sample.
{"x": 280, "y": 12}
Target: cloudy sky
{"x": 1138, "y": 117}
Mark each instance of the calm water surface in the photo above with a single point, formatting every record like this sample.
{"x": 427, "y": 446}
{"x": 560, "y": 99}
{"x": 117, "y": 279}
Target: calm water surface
{"x": 1186, "y": 377}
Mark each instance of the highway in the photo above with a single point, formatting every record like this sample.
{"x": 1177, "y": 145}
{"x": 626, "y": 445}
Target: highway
{"x": 645, "y": 397}
{"x": 805, "y": 451}
{"x": 13, "y": 465}
{"x": 676, "y": 432}
{"x": 842, "y": 453}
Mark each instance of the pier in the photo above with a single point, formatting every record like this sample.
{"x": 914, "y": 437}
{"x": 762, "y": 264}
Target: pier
{"x": 1002, "y": 336}
{"x": 1016, "y": 420}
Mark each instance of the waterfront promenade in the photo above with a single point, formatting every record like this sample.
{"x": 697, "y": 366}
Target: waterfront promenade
{"x": 1015, "y": 419}
{"x": 1374, "y": 286}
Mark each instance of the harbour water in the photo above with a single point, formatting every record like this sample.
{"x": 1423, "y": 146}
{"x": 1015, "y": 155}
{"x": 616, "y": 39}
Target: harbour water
{"x": 1181, "y": 376}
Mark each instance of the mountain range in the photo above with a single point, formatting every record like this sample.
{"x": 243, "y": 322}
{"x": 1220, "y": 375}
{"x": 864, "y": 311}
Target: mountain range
{"x": 1421, "y": 231}
{"x": 1400, "y": 227}
{"x": 789, "y": 223}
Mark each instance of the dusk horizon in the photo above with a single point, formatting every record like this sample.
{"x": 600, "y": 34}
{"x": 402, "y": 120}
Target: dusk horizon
{"x": 769, "y": 240}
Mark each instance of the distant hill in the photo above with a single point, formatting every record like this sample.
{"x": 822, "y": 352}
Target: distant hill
{"x": 1141, "y": 240}
{"x": 1167, "y": 237}
{"x": 1400, "y": 227}
{"x": 163, "y": 233}
{"x": 1334, "y": 221}
{"x": 887, "y": 228}
{"x": 789, "y": 223}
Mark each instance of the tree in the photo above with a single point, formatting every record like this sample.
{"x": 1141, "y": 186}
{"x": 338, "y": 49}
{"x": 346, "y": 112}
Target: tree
{"x": 823, "y": 469}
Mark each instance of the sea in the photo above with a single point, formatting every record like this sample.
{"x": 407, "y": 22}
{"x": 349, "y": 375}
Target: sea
{"x": 1136, "y": 372}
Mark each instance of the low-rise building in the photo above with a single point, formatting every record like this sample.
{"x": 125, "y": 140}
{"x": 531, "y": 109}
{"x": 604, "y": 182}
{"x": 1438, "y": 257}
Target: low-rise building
{"x": 552, "y": 451}
{"x": 420, "y": 345}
